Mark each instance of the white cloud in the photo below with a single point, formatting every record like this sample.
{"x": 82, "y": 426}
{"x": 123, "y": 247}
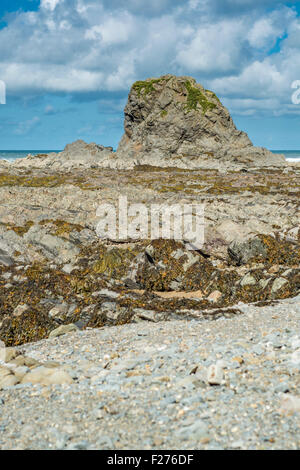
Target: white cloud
{"x": 114, "y": 30}
{"x": 204, "y": 53}
{"x": 261, "y": 31}
{"x": 50, "y": 4}
{"x": 83, "y": 46}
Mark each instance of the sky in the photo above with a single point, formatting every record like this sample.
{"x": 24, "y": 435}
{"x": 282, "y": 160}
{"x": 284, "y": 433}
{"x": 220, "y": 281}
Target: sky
{"x": 68, "y": 65}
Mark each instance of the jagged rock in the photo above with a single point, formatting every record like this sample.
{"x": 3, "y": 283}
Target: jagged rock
{"x": 76, "y": 154}
{"x": 264, "y": 249}
{"x": 80, "y": 150}
{"x": 5, "y": 259}
{"x": 242, "y": 252}
{"x": 174, "y": 121}
{"x": 53, "y": 247}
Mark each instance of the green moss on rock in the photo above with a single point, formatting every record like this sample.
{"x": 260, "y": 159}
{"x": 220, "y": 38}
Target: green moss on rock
{"x": 145, "y": 87}
{"x": 195, "y": 97}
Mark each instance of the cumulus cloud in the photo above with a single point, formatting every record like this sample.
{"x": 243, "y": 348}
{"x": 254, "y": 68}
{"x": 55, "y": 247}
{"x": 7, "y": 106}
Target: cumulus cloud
{"x": 202, "y": 53}
{"x": 93, "y": 46}
{"x": 49, "y": 4}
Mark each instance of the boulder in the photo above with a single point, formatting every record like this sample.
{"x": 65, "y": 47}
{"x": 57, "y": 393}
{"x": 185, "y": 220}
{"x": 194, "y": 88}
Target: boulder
{"x": 266, "y": 249}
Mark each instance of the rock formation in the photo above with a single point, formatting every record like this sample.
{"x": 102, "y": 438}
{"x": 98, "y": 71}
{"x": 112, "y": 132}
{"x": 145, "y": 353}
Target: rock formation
{"x": 174, "y": 121}
{"x": 75, "y": 155}
{"x": 169, "y": 122}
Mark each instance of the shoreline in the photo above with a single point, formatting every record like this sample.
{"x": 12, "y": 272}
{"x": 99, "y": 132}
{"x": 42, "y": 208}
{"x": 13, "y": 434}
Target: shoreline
{"x": 48, "y": 239}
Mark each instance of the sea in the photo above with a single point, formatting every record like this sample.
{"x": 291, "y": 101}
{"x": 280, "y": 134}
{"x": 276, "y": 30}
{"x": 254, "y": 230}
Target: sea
{"x": 10, "y": 155}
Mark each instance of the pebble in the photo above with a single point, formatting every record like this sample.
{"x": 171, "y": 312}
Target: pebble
{"x": 147, "y": 384}
{"x": 63, "y": 330}
{"x": 215, "y": 374}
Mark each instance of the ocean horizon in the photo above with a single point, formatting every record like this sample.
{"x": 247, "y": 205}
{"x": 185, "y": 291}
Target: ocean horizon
{"x": 11, "y": 155}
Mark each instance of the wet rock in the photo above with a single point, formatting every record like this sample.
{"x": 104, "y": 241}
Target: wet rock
{"x": 248, "y": 280}
{"x": 278, "y": 284}
{"x": 20, "y": 309}
{"x": 264, "y": 248}
{"x": 215, "y": 296}
{"x": 242, "y": 253}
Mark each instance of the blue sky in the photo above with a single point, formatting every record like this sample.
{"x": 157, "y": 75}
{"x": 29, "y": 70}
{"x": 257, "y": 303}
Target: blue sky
{"x": 68, "y": 64}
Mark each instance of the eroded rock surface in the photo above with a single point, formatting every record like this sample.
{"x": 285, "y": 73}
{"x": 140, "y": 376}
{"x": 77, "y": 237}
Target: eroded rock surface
{"x": 174, "y": 121}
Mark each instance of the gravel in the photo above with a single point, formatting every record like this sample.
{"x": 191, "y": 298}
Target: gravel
{"x": 145, "y": 386}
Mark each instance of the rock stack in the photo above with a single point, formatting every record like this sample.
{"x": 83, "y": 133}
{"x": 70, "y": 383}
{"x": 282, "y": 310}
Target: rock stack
{"x": 174, "y": 121}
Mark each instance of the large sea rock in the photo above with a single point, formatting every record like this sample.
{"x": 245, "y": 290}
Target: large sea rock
{"x": 174, "y": 121}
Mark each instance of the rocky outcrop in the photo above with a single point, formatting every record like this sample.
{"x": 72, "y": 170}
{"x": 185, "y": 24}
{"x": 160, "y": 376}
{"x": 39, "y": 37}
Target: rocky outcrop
{"x": 81, "y": 151}
{"x": 75, "y": 155}
{"x": 174, "y": 121}
{"x": 169, "y": 122}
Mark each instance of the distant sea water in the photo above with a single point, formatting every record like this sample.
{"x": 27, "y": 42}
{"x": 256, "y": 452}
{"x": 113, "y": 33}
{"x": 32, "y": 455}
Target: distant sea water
{"x": 10, "y": 155}
{"x": 290, "y": 155}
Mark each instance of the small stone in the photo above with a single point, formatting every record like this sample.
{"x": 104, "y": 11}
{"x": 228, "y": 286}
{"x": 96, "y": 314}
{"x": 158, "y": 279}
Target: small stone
{"x": 248, "y": 280}
{"x": 238, "y": 359}
{"x": 8, "y": 381}
{"x": 8, "y": 354}
{"x": 290, "y": 404}
{"x": 274, "y": 269}
{"x": 4, "y": 372}
{"x": 5, "y": 259}
{"x": 237, "y": 445}
{"x": 68, "y": 268}
{"x": 20, "y": 309}
{"x": 282, "y": 388}
{"x": 107, "y": 293}
{"x": 278, "y": 284}
{"x": 57, "y": 312}
{"x": 295, "y": 357}
{"x": 196, "y": 431}
{"x": 264, "y": 282}
{"x": 215, "y": 296}
{"x": 62, "y": 330}
{"x": 215, "y": 374}
{"x": 295, "y": 342}
{"x": 186, "y": 382}
{"x": 258, "y": 350}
